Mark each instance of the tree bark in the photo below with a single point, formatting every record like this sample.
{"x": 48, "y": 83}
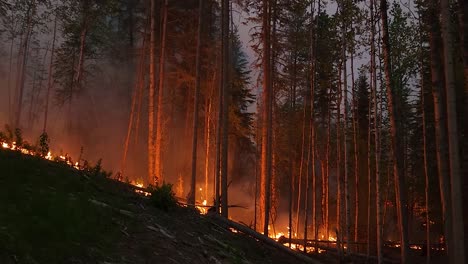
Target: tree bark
{"x": 426, "y": 174}
{"x": 160, "y": 118}
{"x": 378, "y": 176}
{"x": 193, "y": 182}
{"x": 266, "y": 168}
{"x": 458, "y": 250}
{"x": 151, "y": 96}
{"x": 134, "y": 113}
{"x": 345, "y": 133}
{"x": 23, "y": 55}
{"x": 225, "y": 98}
{"x": 437, "y": 79}
{"x": 356, "y": 153}
{"x": 394, "y": 114}
{"x": 50, "y": 77}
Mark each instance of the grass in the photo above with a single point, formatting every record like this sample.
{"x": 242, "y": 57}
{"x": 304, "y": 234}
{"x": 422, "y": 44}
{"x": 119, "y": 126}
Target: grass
{"x": 46, "y": 215}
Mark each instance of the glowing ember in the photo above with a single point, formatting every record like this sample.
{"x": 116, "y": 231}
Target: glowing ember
{"x": 5, "y": 145}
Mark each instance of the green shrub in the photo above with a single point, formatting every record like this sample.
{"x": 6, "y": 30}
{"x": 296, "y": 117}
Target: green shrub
{"x": 162, "y": 197}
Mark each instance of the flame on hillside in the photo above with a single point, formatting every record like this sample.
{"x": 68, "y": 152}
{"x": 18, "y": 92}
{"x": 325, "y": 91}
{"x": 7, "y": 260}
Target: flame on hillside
{"x": 64, "y": 159}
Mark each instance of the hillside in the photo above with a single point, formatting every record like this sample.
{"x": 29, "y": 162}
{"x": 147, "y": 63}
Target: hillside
{"x": 51, "y": 213}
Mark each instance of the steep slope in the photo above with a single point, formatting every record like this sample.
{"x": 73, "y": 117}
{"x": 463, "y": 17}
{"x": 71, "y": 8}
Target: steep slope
{"x": 51, "y": 213}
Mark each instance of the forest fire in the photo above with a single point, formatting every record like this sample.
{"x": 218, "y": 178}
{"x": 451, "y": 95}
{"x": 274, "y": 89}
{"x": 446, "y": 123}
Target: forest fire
{"x": 66, "y": 159}
{"x": 352, "y": 129}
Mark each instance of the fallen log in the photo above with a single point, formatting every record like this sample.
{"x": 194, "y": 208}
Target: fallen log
{"x": 243, "y": 229}
{"x": 332, "y": 250}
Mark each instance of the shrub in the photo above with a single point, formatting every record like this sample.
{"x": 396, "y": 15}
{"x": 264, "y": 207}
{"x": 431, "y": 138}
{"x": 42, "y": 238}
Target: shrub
{"x": 8, "y": 133}
{"x": 96, "y": 171}
{"x": 43, "y": 147}
{"x": 163, "y": 197}
{"x": 19, "y": 137}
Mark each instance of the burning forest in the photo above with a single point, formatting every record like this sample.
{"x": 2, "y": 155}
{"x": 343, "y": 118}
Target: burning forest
{"x": 332, "y": 131}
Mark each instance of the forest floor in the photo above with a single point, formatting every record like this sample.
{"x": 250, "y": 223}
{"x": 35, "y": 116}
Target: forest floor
{"x": 51, "y": 213}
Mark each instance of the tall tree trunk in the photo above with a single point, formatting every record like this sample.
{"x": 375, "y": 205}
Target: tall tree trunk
{"x": 208, "y": 104}
{"x": 301, "y": 166}
{"x": 426, "y": 173}
{"x": 79, "y": 68}
{"x": 356, "y": 153}
{"x": 339, "y": 205}
{"x": 440, "y": 123}
{"x": 369, "y": 174}
{"x": 33, "y": 91}
{"x": 378, "y": 176}
{"x": 225, "y": 98}
{"x": 345, "y": 135}
{"x": 191, "y": 199}
{"x": 219, "y": 129}
{"x": 160, "y": 118}
{"x": 292, "y": 142}
{"x": 151, "y": 96}
{"x": 394, "y": 114}
{"x": 50, "y": 77}
{"x": 312, "y": 122}
{"x": 267, "y": 120}
{"x": 327, "y": 177}
{"x": 78, "y": 74}
{"x": 140, "y": 75}
{"x": 274, "y": 177}
{"x": 23, "y": 55}
{"x": 34, "y": 95}
{"x": 10, "y": 99}
{"x": 463, "y": 32}
{"x": 458, "y": 251}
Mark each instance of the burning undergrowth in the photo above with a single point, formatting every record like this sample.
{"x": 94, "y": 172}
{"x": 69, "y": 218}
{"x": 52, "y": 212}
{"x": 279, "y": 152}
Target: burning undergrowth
{"x": 13, "y": 140}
